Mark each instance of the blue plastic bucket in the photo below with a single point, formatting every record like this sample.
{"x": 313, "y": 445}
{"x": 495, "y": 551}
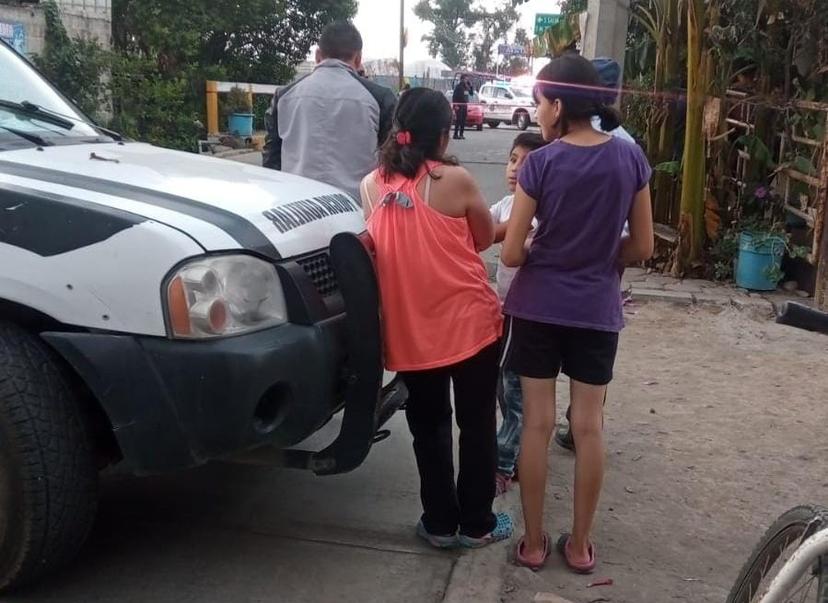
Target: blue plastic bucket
{"x": 759, "y": 257}
{"x": 240, "y": 124}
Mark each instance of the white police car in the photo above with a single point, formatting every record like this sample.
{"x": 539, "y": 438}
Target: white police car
{"x": 506, "y": 103}
{"x": 160, "y": 309}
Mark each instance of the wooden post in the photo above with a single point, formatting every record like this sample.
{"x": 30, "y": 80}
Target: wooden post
{"x": 212, "y": 108}
{"x": 821, "y": 229}
{"x": 402, "y": 44}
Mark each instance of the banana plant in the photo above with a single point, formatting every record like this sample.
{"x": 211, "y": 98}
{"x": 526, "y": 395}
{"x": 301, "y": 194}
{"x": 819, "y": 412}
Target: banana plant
{"x": 701, "y": 16}
{"x": 662, "y": 19}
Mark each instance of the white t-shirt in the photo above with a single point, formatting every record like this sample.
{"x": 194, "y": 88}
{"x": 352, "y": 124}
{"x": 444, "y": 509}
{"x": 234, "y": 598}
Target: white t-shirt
{"x": 618, "y": 132}
{"x": 621, "y": 133}
{"x": 500, "y": 214}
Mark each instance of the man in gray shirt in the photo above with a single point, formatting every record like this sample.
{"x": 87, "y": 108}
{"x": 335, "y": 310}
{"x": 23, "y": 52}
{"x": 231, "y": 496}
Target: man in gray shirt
{"x": 328, "y": 125}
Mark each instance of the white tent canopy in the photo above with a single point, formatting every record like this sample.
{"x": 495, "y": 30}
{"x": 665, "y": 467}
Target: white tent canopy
{"x": 428, "y": 68}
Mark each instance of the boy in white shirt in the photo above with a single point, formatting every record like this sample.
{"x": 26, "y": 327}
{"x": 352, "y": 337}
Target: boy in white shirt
{"x": 510, "y": 396}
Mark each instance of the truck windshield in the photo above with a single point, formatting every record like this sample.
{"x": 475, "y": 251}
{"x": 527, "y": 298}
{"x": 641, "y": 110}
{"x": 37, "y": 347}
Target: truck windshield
{"x": 29, "y": 105}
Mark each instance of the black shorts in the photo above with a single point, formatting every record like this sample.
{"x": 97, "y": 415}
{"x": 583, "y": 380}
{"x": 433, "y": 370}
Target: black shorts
{"x": 541, "y": 351}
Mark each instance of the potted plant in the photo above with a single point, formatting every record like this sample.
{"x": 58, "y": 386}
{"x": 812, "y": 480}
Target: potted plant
{"x": 763, "y": 240}
{"x": 238, "y": 108}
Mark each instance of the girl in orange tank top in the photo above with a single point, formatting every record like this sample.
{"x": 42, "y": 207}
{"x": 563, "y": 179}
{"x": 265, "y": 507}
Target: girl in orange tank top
{"x": 441, "y": 319}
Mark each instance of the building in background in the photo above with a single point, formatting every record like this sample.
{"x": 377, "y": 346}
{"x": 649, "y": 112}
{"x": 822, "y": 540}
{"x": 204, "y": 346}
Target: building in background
{"x": 23, "y": 25}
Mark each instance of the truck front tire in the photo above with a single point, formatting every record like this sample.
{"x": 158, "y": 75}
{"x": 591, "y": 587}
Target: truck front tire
{"x": 48, "y": 478}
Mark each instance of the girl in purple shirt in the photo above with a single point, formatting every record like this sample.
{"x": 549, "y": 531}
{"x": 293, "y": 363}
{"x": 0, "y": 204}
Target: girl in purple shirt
{"x": 564, "y": 307}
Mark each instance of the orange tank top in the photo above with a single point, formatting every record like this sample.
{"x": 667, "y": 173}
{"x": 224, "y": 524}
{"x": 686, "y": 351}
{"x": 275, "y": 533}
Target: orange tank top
{"x": 437, "y": 306}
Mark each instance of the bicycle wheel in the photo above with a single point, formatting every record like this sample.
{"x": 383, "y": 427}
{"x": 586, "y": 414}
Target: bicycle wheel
{"x": 775, "y": 548}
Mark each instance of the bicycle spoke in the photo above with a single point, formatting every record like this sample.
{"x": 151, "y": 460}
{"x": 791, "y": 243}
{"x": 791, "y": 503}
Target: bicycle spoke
{"x": 805, "y": 592}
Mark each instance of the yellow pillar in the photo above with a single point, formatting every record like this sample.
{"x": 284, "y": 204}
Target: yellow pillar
{"x": 250, "y": 96}
{"x": 212, "y": 108}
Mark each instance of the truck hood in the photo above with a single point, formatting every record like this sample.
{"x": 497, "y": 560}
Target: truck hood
{"x": 220, "y": 204}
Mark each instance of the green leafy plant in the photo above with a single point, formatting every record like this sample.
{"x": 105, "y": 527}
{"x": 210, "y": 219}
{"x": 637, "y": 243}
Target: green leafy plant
{"x": 763, "y": 216}
{"x": 153, "y": 108}
{"x": 76, "y": 66}
{"x": 673, "y": 168}
{"x": 723, "y": 255}
{"x": 236, "y": 101}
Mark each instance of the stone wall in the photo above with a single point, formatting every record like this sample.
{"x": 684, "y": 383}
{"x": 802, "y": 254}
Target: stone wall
{"x": 88, "y": 19}
{"x": 22, "y": 23}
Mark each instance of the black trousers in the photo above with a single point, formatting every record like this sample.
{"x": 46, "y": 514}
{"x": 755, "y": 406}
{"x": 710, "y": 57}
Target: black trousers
{"x": 460, "y": 120}
{"x": 466, "y": 504}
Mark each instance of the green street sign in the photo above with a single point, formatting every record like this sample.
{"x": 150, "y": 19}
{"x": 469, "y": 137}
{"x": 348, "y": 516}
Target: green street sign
{"x": 544, "y": 21}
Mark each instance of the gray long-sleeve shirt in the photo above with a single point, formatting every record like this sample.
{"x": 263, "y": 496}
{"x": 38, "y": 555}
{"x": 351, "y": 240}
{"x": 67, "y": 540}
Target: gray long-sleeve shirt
{"x": 328, "y": 126}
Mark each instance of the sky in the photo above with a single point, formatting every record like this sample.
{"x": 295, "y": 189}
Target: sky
{"x": 380, "y": 30}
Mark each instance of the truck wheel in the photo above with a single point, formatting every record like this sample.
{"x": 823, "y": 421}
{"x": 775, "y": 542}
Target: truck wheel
{"x": 479, "y": 127}
{"x": 48, "y": 478}
{"x": 493, "y": 124}
{"x": 522, "y": 121}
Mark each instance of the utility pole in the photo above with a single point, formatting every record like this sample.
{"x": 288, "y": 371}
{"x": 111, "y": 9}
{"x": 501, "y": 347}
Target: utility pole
{"x": 402, "y": 44}
{"x": 606, "y": 30}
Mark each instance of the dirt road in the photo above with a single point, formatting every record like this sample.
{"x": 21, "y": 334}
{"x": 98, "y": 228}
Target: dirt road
{"x": 716, "y": 424}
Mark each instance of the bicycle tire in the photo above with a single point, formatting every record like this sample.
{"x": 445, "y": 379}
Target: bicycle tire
{"x": 790, "y": 528}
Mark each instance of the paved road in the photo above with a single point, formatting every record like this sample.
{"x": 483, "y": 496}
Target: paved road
{"x": 243, "y": 534}
{"x": 483, "y": 153}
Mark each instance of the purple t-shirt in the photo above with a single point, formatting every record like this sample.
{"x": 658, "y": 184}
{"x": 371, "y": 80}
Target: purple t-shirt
{"x": 584, "y": 196}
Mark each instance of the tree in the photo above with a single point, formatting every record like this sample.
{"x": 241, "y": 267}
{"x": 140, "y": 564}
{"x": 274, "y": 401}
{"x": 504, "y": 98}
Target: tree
{"x": 257, "y": 40}
{"x": 164, "y": 51}
{"x": 662, "y": 21}
{"x": 493, "y": 27}
{"x": 573, "y": 7}
{"x": 515, "y": 66}
{"x": 701, "y": 18}
{"x": 75, "y": 66}
{"x": 451, "y": 19}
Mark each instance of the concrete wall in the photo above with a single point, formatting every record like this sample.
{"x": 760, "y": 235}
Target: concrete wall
{"x": 88, "y": 19}
{"x": 24, "y": 22}
{"x": 23, "y": 27}
{"x": 606, "y": 30}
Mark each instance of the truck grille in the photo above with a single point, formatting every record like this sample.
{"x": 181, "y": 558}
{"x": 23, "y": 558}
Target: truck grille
{"x": 318, "y": 268}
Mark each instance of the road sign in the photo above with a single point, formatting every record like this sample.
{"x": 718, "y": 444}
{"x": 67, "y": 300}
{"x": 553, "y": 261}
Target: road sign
{"x": 511, "y": 50}
{"x": 544, "y": 21}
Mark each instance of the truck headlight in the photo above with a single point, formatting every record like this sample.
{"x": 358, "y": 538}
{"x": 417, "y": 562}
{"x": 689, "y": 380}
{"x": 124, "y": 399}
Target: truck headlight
{"x": 223, "y": 295}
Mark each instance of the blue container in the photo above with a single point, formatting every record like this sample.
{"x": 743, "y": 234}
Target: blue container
{"x": 240, "y": 124}
{"x": 760, "y": 255}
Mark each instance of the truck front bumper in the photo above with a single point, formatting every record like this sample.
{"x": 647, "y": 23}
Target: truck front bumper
{"x": 177, "y": 404}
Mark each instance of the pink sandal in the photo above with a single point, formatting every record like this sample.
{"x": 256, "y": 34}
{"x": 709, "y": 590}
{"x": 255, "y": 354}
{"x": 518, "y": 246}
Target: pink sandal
{"x": 524, "y": 562}
{"x": 579, "y": 567}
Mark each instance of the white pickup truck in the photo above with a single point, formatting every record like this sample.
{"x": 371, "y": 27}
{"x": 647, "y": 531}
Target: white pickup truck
{"x": 160, "y": 309}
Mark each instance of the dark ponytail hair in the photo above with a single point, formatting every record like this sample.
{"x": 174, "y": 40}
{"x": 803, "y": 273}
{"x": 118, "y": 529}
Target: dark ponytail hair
{"x": 575, "y": 82}
{"x": 425, "y": 115}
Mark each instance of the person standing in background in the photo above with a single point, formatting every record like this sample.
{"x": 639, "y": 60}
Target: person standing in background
{"x": 329, "y": 125}
{"x": 460, "y": 100}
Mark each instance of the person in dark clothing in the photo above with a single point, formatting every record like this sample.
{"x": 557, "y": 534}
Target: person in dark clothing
{"x": 460, "y": 99}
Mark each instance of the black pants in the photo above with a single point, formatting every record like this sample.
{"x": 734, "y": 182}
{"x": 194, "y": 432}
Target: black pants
{"x": 468, "y": 504}
{"x": 460, "y": 120}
